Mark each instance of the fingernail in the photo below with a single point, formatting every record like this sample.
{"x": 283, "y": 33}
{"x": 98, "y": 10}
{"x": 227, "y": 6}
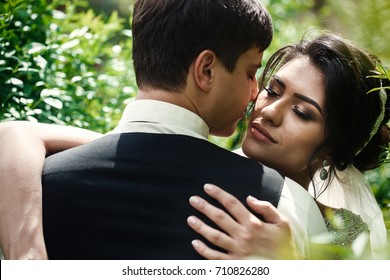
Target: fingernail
{"x": 208, "y": 187}
{"x": 251, "y": 198}
{"x": 194, "y": 200}
{"x": 195, "y": 243}
{"x": 191, "y": 220}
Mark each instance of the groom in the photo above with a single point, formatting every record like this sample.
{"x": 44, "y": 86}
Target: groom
{"x": 125, "y": 196}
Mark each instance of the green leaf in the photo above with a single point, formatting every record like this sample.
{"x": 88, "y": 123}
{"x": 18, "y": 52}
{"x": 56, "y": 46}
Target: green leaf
{"x": 35, "y": 48}
{"x": 56, "y": 103}
{"x": 53, "y": 92}
{"x": 16, "y": 82}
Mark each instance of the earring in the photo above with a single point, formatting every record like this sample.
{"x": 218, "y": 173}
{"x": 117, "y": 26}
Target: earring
{"x": 324, "y": 172}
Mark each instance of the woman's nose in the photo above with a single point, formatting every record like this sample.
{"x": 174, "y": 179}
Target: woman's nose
{"x": 273, "y": 113}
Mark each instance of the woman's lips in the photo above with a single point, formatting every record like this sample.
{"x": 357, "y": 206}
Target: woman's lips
{"x": 261, "y": 133}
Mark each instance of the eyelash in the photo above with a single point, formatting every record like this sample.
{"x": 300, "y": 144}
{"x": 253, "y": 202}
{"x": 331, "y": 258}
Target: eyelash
{"x": 301, "y": 114}
{"x": 271, "y": 92}
{"x": 304, "y": 116}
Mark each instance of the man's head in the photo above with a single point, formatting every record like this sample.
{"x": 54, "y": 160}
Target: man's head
{"x": 169, "y": 35}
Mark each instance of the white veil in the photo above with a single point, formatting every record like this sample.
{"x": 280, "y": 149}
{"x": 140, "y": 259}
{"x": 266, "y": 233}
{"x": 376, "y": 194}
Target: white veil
{"x": 350, "y": 190}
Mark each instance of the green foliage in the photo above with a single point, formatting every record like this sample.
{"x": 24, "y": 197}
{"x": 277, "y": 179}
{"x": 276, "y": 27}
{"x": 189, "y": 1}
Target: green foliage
{"x": 380, "y": 178}
{"x": 291, "y": 20}
{"x": 364, "y": 22}
{"x": 60, "y": 63}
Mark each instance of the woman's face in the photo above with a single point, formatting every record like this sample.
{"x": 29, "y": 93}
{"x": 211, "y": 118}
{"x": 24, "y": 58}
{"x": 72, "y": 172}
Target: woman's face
{"x": 287, "y": 124}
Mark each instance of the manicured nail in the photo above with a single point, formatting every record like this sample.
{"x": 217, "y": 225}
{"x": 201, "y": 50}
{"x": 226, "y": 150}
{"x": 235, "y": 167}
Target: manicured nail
{"x": 208, "y": 187}
{"x": 191, "y": 220}
{"x": 194, "y": 200}
{"x": 195, "y": 243}
{"x": 251, "y": 198}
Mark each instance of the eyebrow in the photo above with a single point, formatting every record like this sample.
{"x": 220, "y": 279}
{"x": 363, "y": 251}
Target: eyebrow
{"x": 298, "y": 95}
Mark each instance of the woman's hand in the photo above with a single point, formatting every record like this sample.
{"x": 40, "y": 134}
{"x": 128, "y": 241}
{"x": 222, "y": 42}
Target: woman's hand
{"x": 23, "y": 147}
{"x": 244, "y": 235}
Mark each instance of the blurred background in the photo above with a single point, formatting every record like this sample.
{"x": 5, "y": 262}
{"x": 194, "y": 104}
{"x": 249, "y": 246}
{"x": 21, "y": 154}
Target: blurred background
{"x": 364, "y": 22}
{"x": 69, "y": 62}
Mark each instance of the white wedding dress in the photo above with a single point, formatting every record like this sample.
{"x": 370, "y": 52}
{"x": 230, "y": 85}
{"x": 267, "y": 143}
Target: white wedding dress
{"x": 351, "y": 191}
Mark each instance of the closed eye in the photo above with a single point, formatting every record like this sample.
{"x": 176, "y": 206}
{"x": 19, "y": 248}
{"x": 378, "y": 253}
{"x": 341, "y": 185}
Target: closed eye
{"x": 271, "y": 92}
{"x": 303, "y": 115}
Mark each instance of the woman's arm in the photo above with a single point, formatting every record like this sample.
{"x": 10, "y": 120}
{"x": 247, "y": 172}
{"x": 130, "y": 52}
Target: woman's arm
{"x": 23, "y": 147}
{"x": 245, "y": 235}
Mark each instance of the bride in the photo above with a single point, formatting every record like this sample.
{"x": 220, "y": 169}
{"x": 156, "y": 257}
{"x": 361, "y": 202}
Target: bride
{"x": 313, "y": 114}
{"x": 323, "y": 133}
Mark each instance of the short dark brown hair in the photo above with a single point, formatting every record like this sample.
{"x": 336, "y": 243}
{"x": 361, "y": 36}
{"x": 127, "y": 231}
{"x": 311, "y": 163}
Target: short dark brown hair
{"x": 169, "y": 34}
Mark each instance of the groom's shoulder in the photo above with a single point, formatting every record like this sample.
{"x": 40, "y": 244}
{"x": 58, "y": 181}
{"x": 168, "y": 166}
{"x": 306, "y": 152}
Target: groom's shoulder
{"x": 126, "y": 146}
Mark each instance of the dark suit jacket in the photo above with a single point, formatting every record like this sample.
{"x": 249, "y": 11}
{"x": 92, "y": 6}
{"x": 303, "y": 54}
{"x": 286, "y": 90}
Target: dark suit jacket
{"x": 125, "y": 196}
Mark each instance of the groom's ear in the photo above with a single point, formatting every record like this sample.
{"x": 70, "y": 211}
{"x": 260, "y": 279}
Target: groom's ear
{"x": 204, "y": 70}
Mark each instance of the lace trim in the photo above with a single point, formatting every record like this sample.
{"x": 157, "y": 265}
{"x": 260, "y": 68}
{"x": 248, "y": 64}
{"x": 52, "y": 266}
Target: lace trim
{"x": 345, "y": 226}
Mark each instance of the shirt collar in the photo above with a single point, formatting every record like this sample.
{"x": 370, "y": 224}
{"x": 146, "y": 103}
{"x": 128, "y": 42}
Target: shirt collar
{"x": 165, "y": 117}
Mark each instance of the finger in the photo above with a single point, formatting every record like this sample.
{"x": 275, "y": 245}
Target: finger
{"x": 266, "y": 210}
{"x": 213, "y": 235}
{"x": 231, "y": 203}
{"x": 218, "y": 216}
{"x": 209, "y": 253}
